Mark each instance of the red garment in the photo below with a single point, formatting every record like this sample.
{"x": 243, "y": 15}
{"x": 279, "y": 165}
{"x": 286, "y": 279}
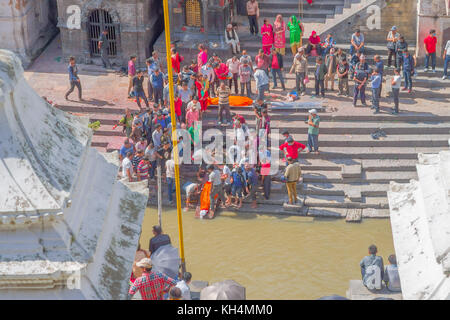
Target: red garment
{"x": 309, "y": 1}
{"x": 262, "y": 62}
{"x": 430, "y": 43}
{"x": 292, "y": 151}
{"x": 176, "y": 62}
{"x": 152, "y": 285}
{"x": 222, "y": 71}
{"x": 203, "y": 99}
{"x": 275, "y": 64}
{"x": 314, "y": 40}
{"x": 178, "y": 104}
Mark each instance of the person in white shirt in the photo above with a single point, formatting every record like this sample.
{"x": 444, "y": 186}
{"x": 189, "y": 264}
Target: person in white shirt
{"x": 170, "y": 178}
{"x": 232, "y": 39}
{"x": 127, "y": 167}
{"x": 446, "y": 58}
{"x": 396, "y": 83}
{"x": 183, "y": 285}
{"x": 233, "y": 65}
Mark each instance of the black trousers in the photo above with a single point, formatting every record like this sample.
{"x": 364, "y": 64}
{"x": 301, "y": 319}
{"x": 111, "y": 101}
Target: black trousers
{"x": 320, "y": 84}
{"x": 248, "y": 87}
{"x": 392, "y": 53}
{"x": 74, "y": 84}
{"x": 235, "y": 80}
{"x": 158, "y": 95}
{"x": 253, "y": 22}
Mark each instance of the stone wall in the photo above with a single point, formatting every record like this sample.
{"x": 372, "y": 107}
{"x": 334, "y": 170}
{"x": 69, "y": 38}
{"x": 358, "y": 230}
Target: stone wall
{"x": 26, "y": 27}
{"x": 138, "y": 23}
{"x": 376, "y": 19}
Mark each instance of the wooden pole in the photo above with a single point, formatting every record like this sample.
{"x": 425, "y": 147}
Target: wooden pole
{"x": 158, "y": 174}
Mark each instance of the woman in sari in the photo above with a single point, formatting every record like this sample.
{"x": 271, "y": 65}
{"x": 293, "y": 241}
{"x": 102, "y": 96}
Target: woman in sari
{"x": 296, "y": 30}
{"x": 267, "y": 36}
{"x": 279, "y": 27}
{"x": 202, "y": 85}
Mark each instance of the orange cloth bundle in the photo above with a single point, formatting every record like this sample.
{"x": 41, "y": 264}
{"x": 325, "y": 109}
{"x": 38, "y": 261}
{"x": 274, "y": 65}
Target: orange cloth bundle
{"x": 204, "y": 196}
{"x": 235, "y": 101}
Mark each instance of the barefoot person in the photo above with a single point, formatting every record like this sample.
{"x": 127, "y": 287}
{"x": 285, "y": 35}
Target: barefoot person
{"x": 74, "y": 79}
{"x": 313, "y": 131}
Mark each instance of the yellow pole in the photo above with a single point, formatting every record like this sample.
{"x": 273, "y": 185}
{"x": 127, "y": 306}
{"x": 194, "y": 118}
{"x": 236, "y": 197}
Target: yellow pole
{"x": 174, "y": 133}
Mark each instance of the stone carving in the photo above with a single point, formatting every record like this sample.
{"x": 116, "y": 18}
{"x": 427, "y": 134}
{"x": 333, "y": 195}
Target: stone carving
{"x": 68, "y": 228}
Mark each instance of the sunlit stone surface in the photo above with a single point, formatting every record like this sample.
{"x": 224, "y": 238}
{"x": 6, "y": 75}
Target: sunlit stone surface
{"x": 68, "y": 228}
{"x": 420, "y": 218}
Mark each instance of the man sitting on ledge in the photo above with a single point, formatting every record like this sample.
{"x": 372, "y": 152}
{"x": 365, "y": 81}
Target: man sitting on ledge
{"x": 372, "y": 269}
{"x": 158, "y": 240}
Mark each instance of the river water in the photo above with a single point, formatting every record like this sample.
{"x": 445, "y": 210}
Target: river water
{"x": 275, "y": 257}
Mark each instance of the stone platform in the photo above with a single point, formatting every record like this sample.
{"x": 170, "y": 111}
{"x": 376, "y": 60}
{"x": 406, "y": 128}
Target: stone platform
{"x": 358, "y": 291}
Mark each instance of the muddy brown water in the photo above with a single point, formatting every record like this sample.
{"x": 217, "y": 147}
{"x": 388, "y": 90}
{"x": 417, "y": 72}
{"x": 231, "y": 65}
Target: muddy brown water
{"x": 275, "y": 257}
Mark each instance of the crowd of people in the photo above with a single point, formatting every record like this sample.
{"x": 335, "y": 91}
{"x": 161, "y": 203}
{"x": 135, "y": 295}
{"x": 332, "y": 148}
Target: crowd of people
{"x": 149, "y": 142}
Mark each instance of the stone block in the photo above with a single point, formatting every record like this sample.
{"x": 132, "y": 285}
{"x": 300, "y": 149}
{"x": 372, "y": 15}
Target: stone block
{"x": 354, "y": 194}
{"x": 358, "y": 291}
{"x": 351, "y": 171}
{"x": 353, "y": 215}
{"x": 298, "y": 207}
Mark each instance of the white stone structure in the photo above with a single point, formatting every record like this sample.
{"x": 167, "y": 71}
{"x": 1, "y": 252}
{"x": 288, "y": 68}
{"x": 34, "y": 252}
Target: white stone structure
{"x": 68, "y": 228}
{"x": 420, "y": 219}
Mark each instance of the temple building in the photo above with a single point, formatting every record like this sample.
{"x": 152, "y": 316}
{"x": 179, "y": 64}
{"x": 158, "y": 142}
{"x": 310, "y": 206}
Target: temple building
{"x": 69, "y": 229}
{"x": 26, "y": 27}
{"x": 133, "y": 26}
{"x": 197, "y": 21}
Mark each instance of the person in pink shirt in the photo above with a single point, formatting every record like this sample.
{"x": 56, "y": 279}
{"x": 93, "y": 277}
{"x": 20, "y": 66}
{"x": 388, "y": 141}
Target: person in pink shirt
{"x": 279, "y": 39}
{"x": 131, "y": 74}
{"x": 221, "y": 70}
{"x": 192, "y": 115}
{"x": 178, "y": 103}
{"x": 267, "y": 36}
{"x": 202, "y": 57}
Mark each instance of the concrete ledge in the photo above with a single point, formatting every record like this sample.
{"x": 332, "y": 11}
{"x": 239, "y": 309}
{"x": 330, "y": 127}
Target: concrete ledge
{"x": 358, "y": 291}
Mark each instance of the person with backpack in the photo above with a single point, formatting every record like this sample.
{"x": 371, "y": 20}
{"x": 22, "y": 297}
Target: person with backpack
{"x": 360, "y": 77}
{"x": 400, "y": 46}
{"x": 392, "y": 38}
{"x": 372, "y": 269}
{"x": 408, "y": 70}
{"x": 161, "y": 119}
{"x": 342, "y": 71}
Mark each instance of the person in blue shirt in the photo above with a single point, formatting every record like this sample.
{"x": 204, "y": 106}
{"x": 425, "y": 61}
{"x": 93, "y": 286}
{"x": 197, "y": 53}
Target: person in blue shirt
{"x": 379, "y": 65}
{"x": 252, "y": 183}
{"x": 74, "y": 79}
{"x": 353, "y": 62}
{"x": 360, "y": 77}
{"x": 151, "y": 67}
{"x": 408, "y": 70}
{"x": 328, "y": 44}
{"x": 376, "y": 86}
{"x": 125, "y": 148}
{"x": 237, "y": 184}
{"x": 157, "y": 81}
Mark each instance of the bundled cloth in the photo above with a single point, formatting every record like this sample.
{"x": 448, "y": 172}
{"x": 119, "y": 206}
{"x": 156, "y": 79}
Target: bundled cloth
{"x": 235, "y": 101}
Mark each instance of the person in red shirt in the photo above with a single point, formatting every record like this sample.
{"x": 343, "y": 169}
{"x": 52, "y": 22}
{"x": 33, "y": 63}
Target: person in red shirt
{"x": 221, "y": 71}
{"x": 176, "y": 60}
{"x": 314, "y": 42}
{"x": 277, "y": 67}
{"x": 291, "y": 147}
{"x": 429, "y": 44}
{"x": 151, "y": 285}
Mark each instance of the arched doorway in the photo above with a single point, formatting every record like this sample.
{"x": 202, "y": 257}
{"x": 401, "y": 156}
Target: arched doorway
{"x": 193, "y": 13}
{"x": 99, "y": 20}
